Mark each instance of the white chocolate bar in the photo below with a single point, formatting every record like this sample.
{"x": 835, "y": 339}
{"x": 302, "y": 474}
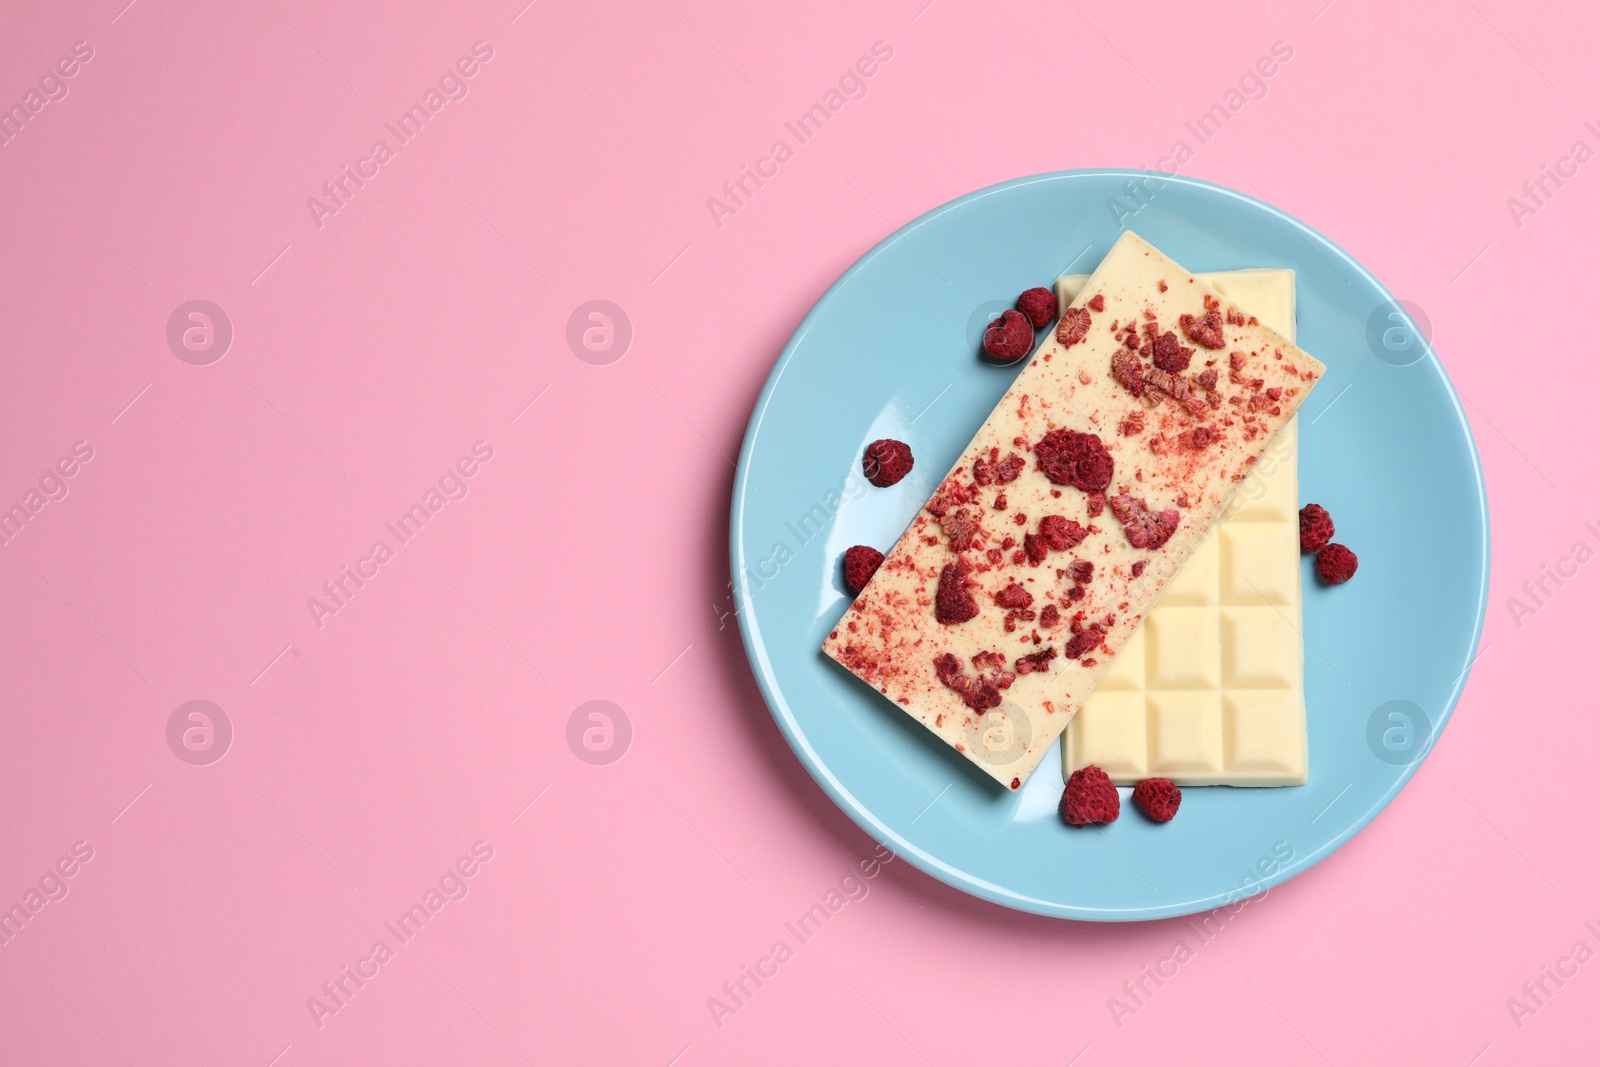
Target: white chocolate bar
{"x": 1002, "y": 696}
{"x": 1211, "y": 689}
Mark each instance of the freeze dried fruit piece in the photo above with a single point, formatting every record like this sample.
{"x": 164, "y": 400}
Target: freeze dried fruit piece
{"x": 1126, "y": 370}
{"x": 1060, "y": 533}
{"x": 1206, "y": 329}
{"x": 1009, "y": 338}
{"x": 1169, "y": 355}
{"x": 1036, "y": 661}
{"x": 886, "y": 461}
{"x": 1336, "y": 564}
{"x": 1316, "y": 528}
{"x": 1097, "y": 302}
{"x": 1073, "y": 327}
{"x": 1158, "y": 798}
{"x": 1068, "y": 457}
{"x": 1039, "y": 305}
{"x": 996, "y": 470}
{"x": 979, "y": 694}
{"x": 860, "y": 564}
{"x": 1145, "y": 528}
{"x": 1090, "y": 798}
{"x": 1013, "y": 596}
{"x": 954, "y": 602}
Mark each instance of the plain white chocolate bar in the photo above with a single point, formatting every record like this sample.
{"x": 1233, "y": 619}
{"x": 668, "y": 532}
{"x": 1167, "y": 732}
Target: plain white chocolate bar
{"x": 1211, "y": 689}
{"x": 1104, "y": 465}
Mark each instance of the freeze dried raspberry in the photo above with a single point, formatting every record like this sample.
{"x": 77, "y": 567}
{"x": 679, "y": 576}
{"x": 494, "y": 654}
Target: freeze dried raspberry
{"x": 1208, "y": 379}
{"x": 886, "y": 461}
{"x": 1089, "y": 798}
{"x": 1336, "y": 563}
{"x": 1036, "y": 661}
{"x": 1050, "y": 617}
{"x": 994, "y": 469}
{"x": 1158, "y": 798}
{"x": 995, "y": 664}
{"x": 1074, "y": 326}
{"x": 860, "y": 564}
{"x": 1132, "y": 423}
{"x": 1316, "y": 528}
{"x": 1061, "y": 533}
{"x": 1097, "y": 302}
{"x": 1169, "y": 355}
{"x": 1009, "y": 338}
{"x": 1085, "y": 641}
{"x": 954, "y": 603}
{"x": 979, "y": 694}
{"x": 961, "y": 528}
{"x": 1036, "y": 548}
{"x": 1145, "y": 528}
{"x": 1097, "y": 504}
{"x": 1082, "y": 571}
{"x": 1068, "y": 457}
{"x": 1039, "y": 305}
{"x": 1013, "y": 596}
{"x": 1205, "y": 329}
{"x": 1138, "y": 567}
{"x": 1125, "y": 369}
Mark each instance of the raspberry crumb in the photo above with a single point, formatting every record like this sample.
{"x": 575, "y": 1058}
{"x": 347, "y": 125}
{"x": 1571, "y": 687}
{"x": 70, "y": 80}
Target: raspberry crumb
{"x": 1336, "y": 564}
{"x": 1138, "y": 567}
{"x": 886, "y": 461}
{"x": 1205, "y": 329}
{"x": 1009, "y": 338}
{"x": 1158, "y": 798}
{"x": 1169, "y": 355}
{"x": 860, "y": 564}
{"x": 1316, "y": 528}
{"x": 1039, "y": 305}
{"x": 1098, "y": 303}
{"x": 1068, "y": 457}
{"x": 954, "y": 603}
{"x": 1090, "y": 798}
{"x": 1073, "y": 327}
{"x": 1145, "y": 528}
{"x": 1050, "y": 617}
{"x": 1037, "y": 661}
{"x": 1061, "y": 533}
{"x": 1013, "y": 596}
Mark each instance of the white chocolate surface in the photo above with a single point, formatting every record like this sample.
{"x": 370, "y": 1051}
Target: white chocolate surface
{"x": 891, "y": 637}
{"x": 1211, "y": 689}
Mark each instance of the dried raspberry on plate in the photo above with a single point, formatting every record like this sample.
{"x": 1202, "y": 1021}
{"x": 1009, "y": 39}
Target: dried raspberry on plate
{"x": 1316, "y": 528}
{"x": 1009, "y": 338}
{"x": 1039, "y": 305}
{"x": 1337, "y": 564}
{"x": 1090, "y": 797}
{"x": 1158, "y": 798}
{"x": 860, "y": 564}
{"x": 886, "y": 462}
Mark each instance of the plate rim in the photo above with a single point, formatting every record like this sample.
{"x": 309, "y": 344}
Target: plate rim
{"x": 859, "y": 812}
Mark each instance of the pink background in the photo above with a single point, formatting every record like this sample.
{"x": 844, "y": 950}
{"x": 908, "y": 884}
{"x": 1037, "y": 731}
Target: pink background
{"x": 369, "y": 354}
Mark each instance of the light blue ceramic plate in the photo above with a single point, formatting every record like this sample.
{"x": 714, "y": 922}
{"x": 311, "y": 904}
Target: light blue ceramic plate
{"x": 891, "y": 351}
